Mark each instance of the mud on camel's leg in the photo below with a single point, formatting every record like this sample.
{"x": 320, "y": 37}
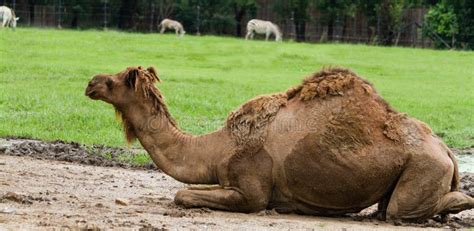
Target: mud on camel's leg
{"x": 247, "y": 186}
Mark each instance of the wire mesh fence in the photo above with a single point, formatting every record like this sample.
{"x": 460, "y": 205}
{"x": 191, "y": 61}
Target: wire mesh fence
{"x": 104, "y": 14}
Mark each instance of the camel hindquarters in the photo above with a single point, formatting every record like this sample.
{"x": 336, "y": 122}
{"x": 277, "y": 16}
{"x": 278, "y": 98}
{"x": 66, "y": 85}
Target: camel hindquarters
{"x": 424, "y": 187}
{"x": 325, "y": 180}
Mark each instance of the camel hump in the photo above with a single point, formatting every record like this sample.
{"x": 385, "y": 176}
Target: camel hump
{"x": 248, "y": 124}
{"x": 328, "y": 82}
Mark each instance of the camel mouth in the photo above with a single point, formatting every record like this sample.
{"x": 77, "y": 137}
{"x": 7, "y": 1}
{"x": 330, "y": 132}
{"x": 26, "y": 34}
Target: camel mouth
{"x": 92, "y": 94}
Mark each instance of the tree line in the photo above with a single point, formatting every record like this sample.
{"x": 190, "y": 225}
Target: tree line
{"x": 451, "y": 20}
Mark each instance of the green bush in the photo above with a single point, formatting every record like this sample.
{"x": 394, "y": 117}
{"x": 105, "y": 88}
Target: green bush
{"x": 442, "y": 20}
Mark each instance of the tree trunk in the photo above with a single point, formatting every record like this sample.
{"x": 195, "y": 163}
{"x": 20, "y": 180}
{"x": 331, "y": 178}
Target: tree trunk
{"x": 330, "y": 28}
{"x": 344, "y": 29}
{"x": 300, "y": 27}
{"x": 76, "y": 12}
{"x": 32, "y": 12}
{"x": 239, "y": 15}
{"x": 386, "y": 22}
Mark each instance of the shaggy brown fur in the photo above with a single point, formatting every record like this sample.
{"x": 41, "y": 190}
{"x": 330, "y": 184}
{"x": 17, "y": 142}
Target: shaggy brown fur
{"x": 248, "y": 124}
{"x": 392, "y": 126}
{"x": 344, "y": 149}
{"x": 143, "y": 81}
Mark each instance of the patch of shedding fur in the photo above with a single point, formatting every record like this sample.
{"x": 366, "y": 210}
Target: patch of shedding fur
{"x": 426, "y": 129}
{"x": 292, "y": 92}
{"x": 392, "y": 128}
{"x": 328, "y": 82}
{"x": 248, "y": 124}
{"x": 399, "y": 128}
{"x": 367, "y": 88}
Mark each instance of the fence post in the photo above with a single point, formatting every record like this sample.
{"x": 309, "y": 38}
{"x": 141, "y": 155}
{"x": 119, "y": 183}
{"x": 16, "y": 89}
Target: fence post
{"x": 378, "y": 36}
{"x": 293, "y": 27}
{"x": 152, "y": 18}
{"x": 161, "y": 17}
{"x": 105, "y": 14}
{"x": 43, "y": 16}
{"x": 198, "y": 20}
{"x": 59, "y": 15}
{"x": 14, "y": 5}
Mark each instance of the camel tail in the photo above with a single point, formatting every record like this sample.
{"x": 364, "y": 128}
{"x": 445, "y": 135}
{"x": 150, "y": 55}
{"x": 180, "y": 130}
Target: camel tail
{"x": 455, "y": 181}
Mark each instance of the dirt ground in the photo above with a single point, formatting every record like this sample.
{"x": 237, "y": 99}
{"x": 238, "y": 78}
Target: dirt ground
{"x": 38, "y": 193}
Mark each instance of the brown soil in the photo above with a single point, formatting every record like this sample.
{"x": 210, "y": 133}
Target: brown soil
{"x": 36, "y": 192}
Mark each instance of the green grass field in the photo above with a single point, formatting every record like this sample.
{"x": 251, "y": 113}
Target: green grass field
{"x": 44, "y": 72}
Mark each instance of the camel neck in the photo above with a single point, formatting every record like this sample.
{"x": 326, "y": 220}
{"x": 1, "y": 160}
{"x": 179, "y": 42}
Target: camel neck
{"x": 184, "y": 157}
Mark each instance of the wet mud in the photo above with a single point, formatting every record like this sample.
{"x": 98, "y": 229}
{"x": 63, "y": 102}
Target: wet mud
{"x": 97, "y": 155}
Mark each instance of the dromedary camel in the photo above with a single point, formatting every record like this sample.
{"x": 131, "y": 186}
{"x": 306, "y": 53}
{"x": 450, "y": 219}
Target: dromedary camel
{"x": 328, "y": 146}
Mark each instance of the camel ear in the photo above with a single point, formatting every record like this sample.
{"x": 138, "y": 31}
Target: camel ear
{"x": 17, "y": 18}
{"x": 131, "y": 78}
{"x": 152, "y": 71}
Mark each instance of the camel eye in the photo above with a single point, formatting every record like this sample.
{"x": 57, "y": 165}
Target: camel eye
{"x": 109, "y": 84}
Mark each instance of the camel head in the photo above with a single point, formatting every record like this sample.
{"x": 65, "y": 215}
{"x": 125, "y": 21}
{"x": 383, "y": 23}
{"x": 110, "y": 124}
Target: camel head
{"x": 133, "y": 85}
{"x": 129, "y": 88}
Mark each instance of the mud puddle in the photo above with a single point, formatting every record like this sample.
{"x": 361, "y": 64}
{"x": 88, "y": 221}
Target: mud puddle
{"x": 465, "y": 159}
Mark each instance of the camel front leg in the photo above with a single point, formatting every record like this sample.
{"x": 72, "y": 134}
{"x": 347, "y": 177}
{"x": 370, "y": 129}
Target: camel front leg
{"x": 221, "y": 199}
{"x": 162, "y": 30}
{"x": 204, "y": 187}
{"x": 241, "y": 190}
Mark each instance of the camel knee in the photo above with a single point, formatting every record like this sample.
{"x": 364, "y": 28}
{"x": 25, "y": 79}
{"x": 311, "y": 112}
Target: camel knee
{"x": 182, "y": 198}
{"x": 402, "y": 210}
{"x": 260, "y": 205}
{"x": 392, "y": 216}
{"x": 247, "y": 204}
{"x": 185, "y": 198}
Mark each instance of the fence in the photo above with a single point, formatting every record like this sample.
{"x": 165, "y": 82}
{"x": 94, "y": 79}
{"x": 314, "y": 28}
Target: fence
{"x": 349, "y": 29}
{"x": 352, "y": 29}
